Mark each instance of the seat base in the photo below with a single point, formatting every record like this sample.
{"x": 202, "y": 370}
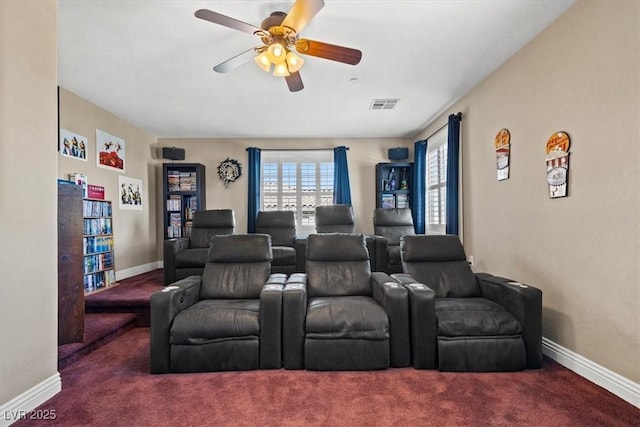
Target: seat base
{"x": 232, "y": 355}
{"x": 346, "y": 354}
{"x": 481, "y": 354}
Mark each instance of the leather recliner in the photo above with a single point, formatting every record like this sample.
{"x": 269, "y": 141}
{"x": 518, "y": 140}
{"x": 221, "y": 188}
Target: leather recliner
{"x": 339, "y": 315}
{"x": 461, "y": 321}
{"x": 186, "y": 256}
{"x": 288, "y": 249}
{"x": 340, "y": 219}
{"x": 230, "y": 318}
{"x": 392, "y": 224}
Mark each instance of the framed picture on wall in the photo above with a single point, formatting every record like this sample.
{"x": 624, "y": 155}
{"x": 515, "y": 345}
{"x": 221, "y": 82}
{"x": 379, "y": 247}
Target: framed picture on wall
{"x": 130, "y": 193}
{"x": 73, "y": 145}
{"x": 110, "y": 151}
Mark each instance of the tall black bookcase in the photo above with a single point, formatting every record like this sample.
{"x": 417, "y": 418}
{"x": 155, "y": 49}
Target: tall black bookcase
{"x": 394, "y": 181}
{"x": 184, "y": 193}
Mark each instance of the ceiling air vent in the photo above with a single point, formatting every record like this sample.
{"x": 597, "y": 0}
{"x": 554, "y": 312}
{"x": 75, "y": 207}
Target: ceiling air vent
{"x": 383, "y": 104}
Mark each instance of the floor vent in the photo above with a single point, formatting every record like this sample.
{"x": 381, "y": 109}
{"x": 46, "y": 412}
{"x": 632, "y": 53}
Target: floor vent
{"x": 383, "y": 104}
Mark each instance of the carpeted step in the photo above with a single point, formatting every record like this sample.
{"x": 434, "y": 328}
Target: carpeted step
{"x": 99, "y": 329}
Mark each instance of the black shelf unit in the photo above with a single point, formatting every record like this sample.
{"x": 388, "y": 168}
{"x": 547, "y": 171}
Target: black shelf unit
{"x": 184, "y": 193}
{"x": 394, "y": 181}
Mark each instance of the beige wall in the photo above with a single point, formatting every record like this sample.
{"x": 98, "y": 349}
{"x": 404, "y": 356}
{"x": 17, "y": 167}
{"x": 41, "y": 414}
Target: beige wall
{"x": 134, "y": 232}
{"x": 362, "y": 157}
{"x": 581, "y": 75}
{"x": 28, "y": 224}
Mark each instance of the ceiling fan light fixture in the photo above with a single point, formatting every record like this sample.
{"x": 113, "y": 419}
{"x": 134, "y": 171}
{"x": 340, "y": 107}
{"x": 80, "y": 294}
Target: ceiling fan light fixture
{"x": 294, "y": 62}
{"x": 281, "y": 70}
{"x": 263, "y": 61}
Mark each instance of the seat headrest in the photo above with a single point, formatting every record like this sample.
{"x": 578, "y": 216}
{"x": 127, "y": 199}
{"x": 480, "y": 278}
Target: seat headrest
{"x": 240, "y": 248}
{"x": 275, "y": 219}
{"x": 392, "y": 217}
{"x": 215, "y": 218}
{"x": 428, "y": 248}
{"x": 334, "y": 215}
{"x": 328, "y": 247}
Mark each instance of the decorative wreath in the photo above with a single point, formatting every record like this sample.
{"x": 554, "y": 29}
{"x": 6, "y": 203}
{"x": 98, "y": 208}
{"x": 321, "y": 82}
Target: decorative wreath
{"x": 229, "y": 170}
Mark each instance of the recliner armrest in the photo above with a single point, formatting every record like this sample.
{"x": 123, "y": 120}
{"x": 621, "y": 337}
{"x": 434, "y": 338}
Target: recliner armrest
{"x": 271, "y": 322}
{"x": 294, "y": 312}
{"x": 393, "y": 297}
{"x": 423, "y": 321}
{"x": 300, "y": 244}
{"x": 164, "y": 306}
{"x": 378, "y": 256}
{"x": 171, "y": 248}
{"x": 525, "y": 303}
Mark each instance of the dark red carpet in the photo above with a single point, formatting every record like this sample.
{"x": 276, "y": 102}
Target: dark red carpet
{"x": 112, "y": 387}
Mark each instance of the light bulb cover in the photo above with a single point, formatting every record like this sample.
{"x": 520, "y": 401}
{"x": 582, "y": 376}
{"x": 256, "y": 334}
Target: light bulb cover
{"x": 294, "y": 62}
{"x": 281, "y": 70}
{"x": 263, "y": 61}
{"x": 277, "y": 53}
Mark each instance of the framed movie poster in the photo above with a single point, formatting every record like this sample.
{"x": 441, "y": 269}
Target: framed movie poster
{"x": 558, "y": 164}
{"x": 110, "y": 151}
{"x": 73, "y": 145}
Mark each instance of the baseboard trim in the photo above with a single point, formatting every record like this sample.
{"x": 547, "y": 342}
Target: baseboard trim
{"x": 20, "y": 407}
{"x": 605, "y": 378}
{"x": 138, "y": 269}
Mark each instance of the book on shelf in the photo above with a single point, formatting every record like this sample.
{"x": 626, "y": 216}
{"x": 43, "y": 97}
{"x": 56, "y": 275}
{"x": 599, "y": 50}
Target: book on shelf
{"x": 174, "y": 203}
{"x": 402, "y": 201}
{"x": 388, "y": 201}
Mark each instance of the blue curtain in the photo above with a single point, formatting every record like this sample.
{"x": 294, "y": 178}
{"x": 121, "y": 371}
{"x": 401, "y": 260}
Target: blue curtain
{"x": 253, "y": 203}
{"x": 419, "y": 182}
{"x": 341, "y": 187}
{"x": 453, "y": 173}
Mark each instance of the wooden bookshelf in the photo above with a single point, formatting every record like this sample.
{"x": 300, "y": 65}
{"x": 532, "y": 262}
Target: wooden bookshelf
{"x": 394, "y": 181}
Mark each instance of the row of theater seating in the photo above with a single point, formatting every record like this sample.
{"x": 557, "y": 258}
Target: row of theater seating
{"x": 339, "y": 315}
{"x": 186, "y": 256}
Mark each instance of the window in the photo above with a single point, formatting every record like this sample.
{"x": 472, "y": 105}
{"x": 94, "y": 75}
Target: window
{"x": 297, "y": 181}
{"x": 436, "y": 182}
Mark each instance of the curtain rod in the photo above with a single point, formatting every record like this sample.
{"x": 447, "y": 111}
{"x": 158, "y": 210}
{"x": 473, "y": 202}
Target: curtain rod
{"x": 296, "y": 149}
{"x": 444, "y": 125}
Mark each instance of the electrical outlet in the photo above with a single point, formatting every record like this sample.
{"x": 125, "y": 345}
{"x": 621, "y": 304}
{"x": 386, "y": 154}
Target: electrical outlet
{"x": 470, "y": 259}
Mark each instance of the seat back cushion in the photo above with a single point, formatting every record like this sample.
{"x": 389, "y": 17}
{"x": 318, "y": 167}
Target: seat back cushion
{"x": 337, "y": 265}
{"x": 335, "y": 219}
{"x": 207, "y": 224}
{"x": 439, "y": 261}
{"x": 281, "y": 225}
{"x": 393, "y": 224}
{"x": 238, "y": 266}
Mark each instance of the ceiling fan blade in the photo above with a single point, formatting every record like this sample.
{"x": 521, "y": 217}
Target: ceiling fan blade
{"x": 301, "y": 13}
{"x": 329, "y": 51}
{"x": 235, "y": 62}
{"x": 226, "y": 21}
{"x": 294, "y": 81}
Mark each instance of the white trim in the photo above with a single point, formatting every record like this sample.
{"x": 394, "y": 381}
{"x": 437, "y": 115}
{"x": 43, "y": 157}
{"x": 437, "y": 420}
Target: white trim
{"x": 19, "y": 406}
{"x": 139, "y": 269}
{"x": 605, "y": 378}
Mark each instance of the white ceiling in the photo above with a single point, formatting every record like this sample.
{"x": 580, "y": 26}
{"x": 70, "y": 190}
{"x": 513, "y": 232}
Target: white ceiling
{"x": 150, "y": 63}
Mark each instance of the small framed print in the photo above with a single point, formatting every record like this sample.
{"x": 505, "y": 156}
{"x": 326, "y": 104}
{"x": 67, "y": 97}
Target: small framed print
{"x": 558, "y": 164}
{"x": 73, "y": 145}
{"x": 503, "y": 151}
{"x": 110, "y": 151}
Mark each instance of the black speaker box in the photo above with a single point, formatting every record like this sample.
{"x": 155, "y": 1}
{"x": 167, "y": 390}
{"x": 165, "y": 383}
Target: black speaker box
{"x": 173, "y": 153}
{"x": 398, "y": 153}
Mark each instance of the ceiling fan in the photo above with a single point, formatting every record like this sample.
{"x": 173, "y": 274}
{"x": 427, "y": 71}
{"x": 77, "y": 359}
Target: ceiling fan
{"x": 279, "y": 35}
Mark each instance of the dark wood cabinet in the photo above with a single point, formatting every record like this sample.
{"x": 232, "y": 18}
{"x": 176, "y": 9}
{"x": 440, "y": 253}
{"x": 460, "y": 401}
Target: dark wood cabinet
{"x": 70, "y": 272}
{"x": 394, "y": 181}
{"x": 184, "y": 194}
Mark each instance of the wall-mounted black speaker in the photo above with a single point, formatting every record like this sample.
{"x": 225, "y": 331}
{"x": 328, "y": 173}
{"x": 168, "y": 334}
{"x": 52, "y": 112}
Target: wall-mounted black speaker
{"x": 173, "y": 153}
{"x": 398, "y": 153}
